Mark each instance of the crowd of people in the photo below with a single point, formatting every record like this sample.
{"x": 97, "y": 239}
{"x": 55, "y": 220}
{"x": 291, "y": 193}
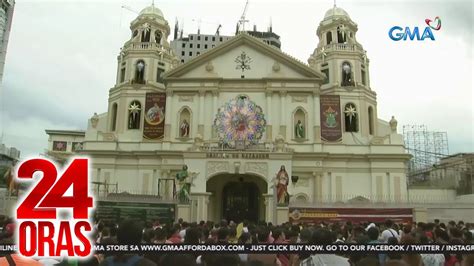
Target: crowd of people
{"x": 131, "y": 232}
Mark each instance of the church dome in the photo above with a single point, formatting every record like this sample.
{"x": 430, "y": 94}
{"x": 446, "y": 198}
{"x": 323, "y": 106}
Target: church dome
{"x": 151, "y": 10}
{"x": 335, "y": 12}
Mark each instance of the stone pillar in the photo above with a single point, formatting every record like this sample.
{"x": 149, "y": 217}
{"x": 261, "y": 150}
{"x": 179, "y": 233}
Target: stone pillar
{"x": 202, "y": 199}
{"x": 268, "y": 116}
{"x": 215, "y": 94}
{"x": 318, "y": 187}
{"x": 156, "y": 182}
{"x": 283, "y": 113}
{"x": 317, "y": 118}
{"x": 183, "y": 211}
{"x": 388, "y": 187}
{"x": 282, "y": 215}
{"x": 269, "y": 208}
{"x": 201, "y": 113}
{"x": 168, "y": 113}
{"x": 328, "y": 179}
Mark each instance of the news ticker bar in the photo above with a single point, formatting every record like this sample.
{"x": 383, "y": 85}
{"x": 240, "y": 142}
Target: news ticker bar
{"x": 272, "y": 248}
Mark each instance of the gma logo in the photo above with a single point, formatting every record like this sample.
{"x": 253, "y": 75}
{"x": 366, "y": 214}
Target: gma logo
{"x": 397, "y": 33}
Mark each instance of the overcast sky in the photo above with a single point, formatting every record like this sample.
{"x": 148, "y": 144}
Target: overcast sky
{"x": 61, "y": 59}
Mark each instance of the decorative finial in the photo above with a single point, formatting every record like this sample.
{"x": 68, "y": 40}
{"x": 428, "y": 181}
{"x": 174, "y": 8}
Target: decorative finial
{"x": 153, "y": 3}
{"x": 334, "y": 3}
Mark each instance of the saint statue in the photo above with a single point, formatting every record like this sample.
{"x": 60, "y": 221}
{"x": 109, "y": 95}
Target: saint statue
{"x": 282, "y": 184}
{"x": 184, "y": 129}
{"x": 184, "y": 185}
{"x": 347, "y": 75}
{"x": 299, "y": 130}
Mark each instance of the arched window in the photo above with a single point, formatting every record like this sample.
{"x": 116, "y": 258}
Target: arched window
{"x": 113, "y": 122}
{"x": 158, "y": 37}
{"x": 146, "y": 34}
{"x": 134, "y": 114}
{"x": 346, "y": 71}
{"x": 371, "y": 120}
{"x": 299, "y": 121}
{"x": 351, "y": 118}
{"x": 135, "y": 33}
{"x": 140, "y": 72}
{"x": 341, "y": 35}
{"x": 184, "y": 123}
{"x": 328, "y": 37}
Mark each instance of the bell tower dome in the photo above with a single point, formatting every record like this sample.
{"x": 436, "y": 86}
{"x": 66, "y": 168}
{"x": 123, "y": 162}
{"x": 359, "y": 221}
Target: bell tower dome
{"x": 145, "y": 57}
{"x": 338, "y": 54}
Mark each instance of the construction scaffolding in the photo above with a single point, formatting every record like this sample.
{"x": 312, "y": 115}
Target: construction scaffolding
{"x": 426, "y": 148}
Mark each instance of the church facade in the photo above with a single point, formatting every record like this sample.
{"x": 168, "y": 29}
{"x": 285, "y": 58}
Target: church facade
{"x": 244, "y": 128}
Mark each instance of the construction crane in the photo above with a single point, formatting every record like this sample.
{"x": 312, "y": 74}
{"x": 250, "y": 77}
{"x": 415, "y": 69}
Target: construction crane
{"x": 130, "y": 9}
{"x": 242, "y": 21}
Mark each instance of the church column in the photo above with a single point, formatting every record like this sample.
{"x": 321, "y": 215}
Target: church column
{"x": 389, "y": 187}
{"x": 268, "y": 116}
{"x": 283, "y": 115}
{"x": 168, "y": 112}
{"x": 317, "y": 187}
{"x": 328, "y": 178}
{"x": 270, "y": 211}
{"x": 201, "y": 112}
{"x": 202, "y": 201}
{"x": 317, "y": 118}
{"x": 215, "y": 94}
{"x": 155, "y": 190}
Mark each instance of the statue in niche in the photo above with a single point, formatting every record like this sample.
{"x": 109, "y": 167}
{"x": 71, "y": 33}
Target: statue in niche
{"x": 282, "y": 180}
{"x": 184, "y": 129}
{"x": 299, "y": 130}
{"x": 346, "y": 75}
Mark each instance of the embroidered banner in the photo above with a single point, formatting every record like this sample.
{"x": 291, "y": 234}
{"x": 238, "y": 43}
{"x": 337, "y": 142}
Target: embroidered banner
{"x": 154, "y": 125}
{"x": 330, "y": 114}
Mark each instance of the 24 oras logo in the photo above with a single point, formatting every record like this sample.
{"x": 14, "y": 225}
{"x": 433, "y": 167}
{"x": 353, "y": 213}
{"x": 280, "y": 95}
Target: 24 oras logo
{"x": 398, "y": 33}
{"x": 41, "y": 231}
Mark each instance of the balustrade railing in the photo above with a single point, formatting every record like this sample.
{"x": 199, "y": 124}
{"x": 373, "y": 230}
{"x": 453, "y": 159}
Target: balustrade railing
{"x": 340, "y": 47}
{"x": 146, "y": 46}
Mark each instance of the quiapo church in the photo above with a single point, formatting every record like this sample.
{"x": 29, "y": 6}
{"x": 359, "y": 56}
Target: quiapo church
{"x": 243, "y": 131}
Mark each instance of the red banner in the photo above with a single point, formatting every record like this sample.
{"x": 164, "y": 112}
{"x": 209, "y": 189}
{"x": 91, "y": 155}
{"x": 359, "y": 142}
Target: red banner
{"x": 155, "y": 106}
{"x": 330, "y": 113}
{"x": 355, "y": 215}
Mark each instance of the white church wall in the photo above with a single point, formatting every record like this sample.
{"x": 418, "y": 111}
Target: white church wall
{"x": 419, "y": 195}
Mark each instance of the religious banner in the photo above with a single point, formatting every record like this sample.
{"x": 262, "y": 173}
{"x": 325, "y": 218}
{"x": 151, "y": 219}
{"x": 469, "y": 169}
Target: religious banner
{"x": 330, "y": 114}
{"x": 155, "y": 106}
{"x": 355, "y": 215}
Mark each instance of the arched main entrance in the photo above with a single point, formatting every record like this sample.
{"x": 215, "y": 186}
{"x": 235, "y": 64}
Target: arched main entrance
{"x": 236, "y": 197}
{"x": 240, "y": 201}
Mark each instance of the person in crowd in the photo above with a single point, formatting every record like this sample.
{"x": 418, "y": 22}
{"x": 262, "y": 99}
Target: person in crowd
{"x": 175, "y": 237}
{"x": 389, "y": 231}
{"x": 411, "y": 259}
{"x": 431, "y": 259}
{"x": 323, "y": 236}
{"x": 373, "y": 233}
{"x": 263, "y": 234}
{"x": 129, "y": 233}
